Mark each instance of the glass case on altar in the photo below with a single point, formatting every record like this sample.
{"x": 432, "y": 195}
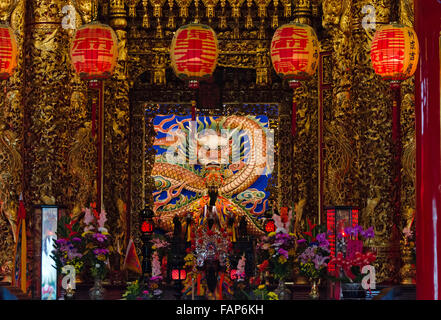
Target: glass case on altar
{"x": 337, "y": 219}
{"x": 44, "y": 282}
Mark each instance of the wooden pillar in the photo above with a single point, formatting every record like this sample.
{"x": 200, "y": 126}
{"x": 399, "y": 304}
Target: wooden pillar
{"x": 428, "y": 154}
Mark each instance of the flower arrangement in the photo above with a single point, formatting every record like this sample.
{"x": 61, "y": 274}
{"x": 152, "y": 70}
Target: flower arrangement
{"x": 352, "y": 255}
{"x": 133, "y": 291}
{"x": 276, "y": 252}
{"x": 141, "y": 291}
{"x": 241, "y": 268}
{"x": 160, "y": 247}
{"x": 408, "y": 242}
{"x": 314, "y": 252}
{"x": 262, "y": 293}
{"x": 69, "y": 245}
{"x": 97, "y": 241}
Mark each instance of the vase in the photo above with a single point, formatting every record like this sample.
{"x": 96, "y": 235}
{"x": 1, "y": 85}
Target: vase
{"x": 314, "y": 293}
{"x": 97, "y": 291}
{"x": 69, "y": 294}
{"x": 282, "y": 291}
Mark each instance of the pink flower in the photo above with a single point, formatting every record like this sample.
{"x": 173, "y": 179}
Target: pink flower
{"x": 102, "y": 219}
{"x": 88, "y": 216}
{"x": 407, "y": 232}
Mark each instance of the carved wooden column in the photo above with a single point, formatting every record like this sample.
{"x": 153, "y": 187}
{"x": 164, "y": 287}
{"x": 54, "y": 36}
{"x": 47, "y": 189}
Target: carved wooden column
{"x": 305, "y": 141}
{"x": 338, "y": 131}
{"x": 285, "y": 156}
{"x": 46, "y": 103}
{"x": 371, "y": 98}
{"x": 117, "y": 127}
{"x": 428, "y": 152}
{"x": 408, "y": 175}
{"x": 82, "y": 154}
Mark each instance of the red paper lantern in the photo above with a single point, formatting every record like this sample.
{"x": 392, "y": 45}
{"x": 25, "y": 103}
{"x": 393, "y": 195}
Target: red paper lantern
{"x": 194, "y": 52}
{"x": 394, "y": 52}
{"x": 295, "y": 52}
{"x": 8, "y": 52}
{"x": 94, "y": 51}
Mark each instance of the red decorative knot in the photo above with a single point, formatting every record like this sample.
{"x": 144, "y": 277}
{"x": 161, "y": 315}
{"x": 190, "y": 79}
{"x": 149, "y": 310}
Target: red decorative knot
{"x": 295, "y": 51}
{"x": 8, "y": 52}
{"x": 394, "y": 52}
{"x": 94, "y": 51}
{"x": 193, "y": 53}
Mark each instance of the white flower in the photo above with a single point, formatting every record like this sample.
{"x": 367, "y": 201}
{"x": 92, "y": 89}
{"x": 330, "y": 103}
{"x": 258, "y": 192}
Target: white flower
{"x": 97, "y": 265}
{"x": 102, "y": 230}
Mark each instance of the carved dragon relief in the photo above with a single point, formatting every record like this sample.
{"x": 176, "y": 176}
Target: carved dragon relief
{"x": 339, "y": 150}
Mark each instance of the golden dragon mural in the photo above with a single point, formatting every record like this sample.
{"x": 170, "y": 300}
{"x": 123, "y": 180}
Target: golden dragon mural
{"x": 228, "y": 153}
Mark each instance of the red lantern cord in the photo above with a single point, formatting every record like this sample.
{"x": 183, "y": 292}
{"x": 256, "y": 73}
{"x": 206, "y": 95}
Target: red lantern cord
{"x": 93, "y": 117}
{"x": 396, "y": 139}
{"x": 193, "y": 110}
{"x": 98, "y": 86}
{"x": 294, "y": 85}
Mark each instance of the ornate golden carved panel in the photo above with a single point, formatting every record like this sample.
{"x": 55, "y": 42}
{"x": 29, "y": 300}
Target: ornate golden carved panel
{"x": 55, "y": 159}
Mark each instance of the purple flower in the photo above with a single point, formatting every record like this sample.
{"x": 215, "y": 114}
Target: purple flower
{"x": 320, "y": 237}
{"x": 350, "y": 231}
{"x": 156, "y": 278}
{"x": 145, "y": 292}
{"x": 308, "y": 254}
{"x": 100, "y": 237}
{"x": 319, "y": 261}
{"x": 300, "y": 241}
{"x": 100, "y": 251}
{"x": 76, "y": 239}
{"x": 369, "y": 232}
{"x": 283, "y": 252}
{"x": 61, "y": 241}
